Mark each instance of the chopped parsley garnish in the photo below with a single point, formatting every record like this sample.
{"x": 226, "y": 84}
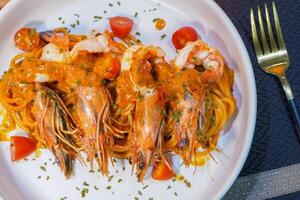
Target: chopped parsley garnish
{"x": 104, "y": 82}
{"x": 73, "y": 25}
{"x": 140, "y": 193}
{"x": 145, "y": 187}
{"x": 155, "y": 19}
{"x": 110, "y": 178}
{"x": 84, "y": 192}
{"x": 150, "y": 198}
{"x": 163, "y": 36}
{"x": 138, "y": 33}
{"x": 110, "y": 4}
{"x": 175, "y": 193}
{"x": 86, "y": 184}
{"x": 187, "y": 183}
{"x": 169, "y": 187}
{"x": 135, "y": 198}
{"x": 176, "y": 115}
{"x": 63, "y": 198}
{"x": 105, "y": 11}
{"x": 140, "y": 97}
{"x": 108, "y": 187}
{"x": 77, "y": 15}
{"x": 97, "y": 18}
{"x": 123, "y": 168}
{"x": 120, "y": 180}
{"x": 43, "y": 168}
{"x": 60, "y": 18}
{"x": 39, "y": 177}
{"x": 78, "y": 82}
{"x": 136, "y": 14}
{"x": 119, "y": 3}
{"x": 77, "y": 22}
{"x": 48, "y": 177}
{"x": 77, "y": 188}
{"x": 96, "y": 188}
{"x": 32, "y": 31}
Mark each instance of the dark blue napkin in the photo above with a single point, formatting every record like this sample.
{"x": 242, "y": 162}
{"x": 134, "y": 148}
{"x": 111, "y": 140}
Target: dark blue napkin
{"x": 275, "y": 142}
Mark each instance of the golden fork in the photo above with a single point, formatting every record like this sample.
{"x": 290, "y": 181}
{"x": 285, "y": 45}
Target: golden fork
{"x": 275, "y": 60}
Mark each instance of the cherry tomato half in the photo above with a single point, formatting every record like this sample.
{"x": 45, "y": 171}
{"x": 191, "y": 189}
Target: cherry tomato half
{"x": 21, "y": 147}
{"x": 27, "y": 39}
{"x": 183, "y": 36}
{"x": 121, "y": 26}
{"x": 161, "y": 171}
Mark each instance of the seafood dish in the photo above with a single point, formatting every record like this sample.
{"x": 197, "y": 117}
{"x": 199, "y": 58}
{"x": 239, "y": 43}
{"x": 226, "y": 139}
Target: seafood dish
{"x": 103, "y": 96}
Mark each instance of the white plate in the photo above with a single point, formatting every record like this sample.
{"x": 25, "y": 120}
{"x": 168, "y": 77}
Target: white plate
{"x": 20, "y": 180}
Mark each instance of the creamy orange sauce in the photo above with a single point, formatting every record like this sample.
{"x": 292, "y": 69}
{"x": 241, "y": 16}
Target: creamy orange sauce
{"x": 160, "y": 24}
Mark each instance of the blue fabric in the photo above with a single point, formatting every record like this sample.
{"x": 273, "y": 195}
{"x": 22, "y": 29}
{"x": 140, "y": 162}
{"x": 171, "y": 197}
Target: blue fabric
{"x": 275, "y": 141}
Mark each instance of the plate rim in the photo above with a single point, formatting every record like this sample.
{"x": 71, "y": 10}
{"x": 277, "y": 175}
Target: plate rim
{"x": 252, "y": 93}
{"x": 252, "y": 104}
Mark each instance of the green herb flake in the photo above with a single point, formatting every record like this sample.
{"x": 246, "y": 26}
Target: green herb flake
{"x": 104, "y": 82}
{"x": 110, "y": 4}
{"x": 105, "y": 11}
{"x": 150, "y": 198}
{"x": 175, "y": 193}
{"x": 145, "y": 187}
{"x": 48, "y": 177}
{"x": 86, "y": 184}
{"x": 108, "y": 187}
{"x": 77, "y": 188}
{"x": 110, "y": 178}
{"x": 43, "y": 168}
{"x": 120, "y": 180}
{"x": 73, "y": 25}
{"x": 84, "y": 192}
{"x": 138, "y": 33}
{"x": 123, "y": 168}
{"x": 32, "y": 31}
{"x": 169, "y": 187}
{"x": 39, "y": 177}
{"x": 60, "y": 18}
{"x": 114, "y": 106}
{"x": 96, "y": 188}
{"x": 135, "y": 198}
{"x": 163, "y": 36}
{"x": 77, "y": 22}
{"x": 97, "y": 18}
{"x": 140, "y": 193}
{"x": 176, "y": 116}
{"x": 78, "y": 82}
{"x": 136, "y": 14}
{"x": 76, "y": 15}
{"x": 187, "y": 183}
{"x": 155, "y": 19}
{"x": 63, "y": 22}
{"x": 119, "y": 3}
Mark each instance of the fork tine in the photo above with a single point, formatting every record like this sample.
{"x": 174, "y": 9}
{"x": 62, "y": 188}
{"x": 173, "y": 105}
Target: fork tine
{"x": 262, "y": 32}
{"x": 270, "y": 31}
{"x": 278, "y": 27}
{"x": 254, "y": 35}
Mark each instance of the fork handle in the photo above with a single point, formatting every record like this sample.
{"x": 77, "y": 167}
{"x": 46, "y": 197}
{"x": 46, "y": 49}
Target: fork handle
{"x": 292, "y": 103}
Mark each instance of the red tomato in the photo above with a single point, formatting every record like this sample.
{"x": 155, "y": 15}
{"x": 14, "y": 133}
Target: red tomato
{"x": 27, "y": 39}
{"x": 183, "y": 36}
{"x": 121, "y": 26}
{"x": 161, "y": 171}
{"x": 21, "y": 147}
